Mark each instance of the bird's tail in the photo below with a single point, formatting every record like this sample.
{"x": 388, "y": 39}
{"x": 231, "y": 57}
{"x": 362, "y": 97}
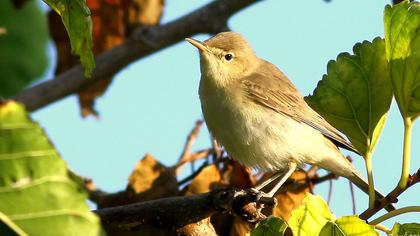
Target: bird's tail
{"x": 361, "y": 183}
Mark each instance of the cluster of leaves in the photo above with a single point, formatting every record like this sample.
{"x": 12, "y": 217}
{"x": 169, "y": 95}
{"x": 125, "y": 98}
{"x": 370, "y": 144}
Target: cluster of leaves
{"x": 315, "y": 218}
{"x": 356, "y": 93}
{"x": 355, "y": 96}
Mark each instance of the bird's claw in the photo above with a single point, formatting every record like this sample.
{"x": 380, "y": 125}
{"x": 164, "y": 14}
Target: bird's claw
{"x": 249, "y": 203}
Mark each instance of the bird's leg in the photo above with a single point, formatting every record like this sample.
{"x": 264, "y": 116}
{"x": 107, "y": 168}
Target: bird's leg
{"x": 292, "y": 168}
{"x": 269, "y": 180}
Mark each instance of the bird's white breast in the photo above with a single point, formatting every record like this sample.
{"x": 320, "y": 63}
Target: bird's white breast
{"x": 257, "y": 136}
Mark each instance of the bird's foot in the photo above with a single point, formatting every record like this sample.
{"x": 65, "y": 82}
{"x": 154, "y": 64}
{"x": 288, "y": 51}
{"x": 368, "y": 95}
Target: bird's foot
{"x": 249, "y": 203}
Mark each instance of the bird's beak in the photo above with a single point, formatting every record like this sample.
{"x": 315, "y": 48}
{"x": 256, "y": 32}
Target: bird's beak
{"x": 200, "y": 45}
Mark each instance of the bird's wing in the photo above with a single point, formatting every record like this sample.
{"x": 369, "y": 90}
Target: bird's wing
{"x": 272, "y": 89}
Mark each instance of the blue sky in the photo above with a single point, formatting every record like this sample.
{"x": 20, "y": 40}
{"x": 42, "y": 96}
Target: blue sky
{"x": 153, "y": 103}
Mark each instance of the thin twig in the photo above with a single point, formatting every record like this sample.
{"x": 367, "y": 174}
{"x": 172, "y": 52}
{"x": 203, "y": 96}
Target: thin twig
{"x": 200, "y": 154}
{"x": 96, "y": 195}
{"x": 392, "y": 197}
{"x": 192, "y": 136}
{"x": 318, "y": 180}
{"x": 353, "y": 198}
{"x": 309, "y": 182}
{"x": 186, "y": 152}
{"x": 217, "y": 150}
{"x": 193, "y": 175}
{"x": 194, "y": 157}
{"x": 394, "y": 213}
{"x": 383, "y": 228}
{"x": 330, "y": 191}
{"x": 312, "y": 172}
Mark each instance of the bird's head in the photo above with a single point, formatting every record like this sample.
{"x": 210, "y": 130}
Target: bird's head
{"x": 225, "y": 57}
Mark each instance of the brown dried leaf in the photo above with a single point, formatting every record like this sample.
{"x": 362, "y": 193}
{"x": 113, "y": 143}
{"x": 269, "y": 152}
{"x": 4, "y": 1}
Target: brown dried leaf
{"x": 88, "y": 95}
{"x": 202, "y": 228}
{"x": 149, "y": 180}
{"x": 146, "y": 12}
{"x": 205, "y": 181}
{"x": 150, "y": 176}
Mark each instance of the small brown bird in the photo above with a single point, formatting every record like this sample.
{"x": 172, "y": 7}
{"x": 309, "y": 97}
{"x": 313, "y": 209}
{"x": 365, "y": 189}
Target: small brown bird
{"x": 259, "y": 116}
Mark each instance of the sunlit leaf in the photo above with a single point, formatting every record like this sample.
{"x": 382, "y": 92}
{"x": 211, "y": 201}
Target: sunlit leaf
{"x": 23, "y": 46}
{"x": 36, "y": 191}
{"x": 311, "y": 217}
{"x": 402, "y": 37}
{"x": 272, "y": 226}
{"x": 405, "y": 229}
{"x": 348, "y": 226}
{"x": 76, "y": 18}
{"x": 356, "y": 94}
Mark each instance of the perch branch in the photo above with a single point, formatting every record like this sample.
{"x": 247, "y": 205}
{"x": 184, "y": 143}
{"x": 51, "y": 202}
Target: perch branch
{"x": 211, "y": 18}
{"x": 175, "y": 212}
{"x": 168, "y": 213}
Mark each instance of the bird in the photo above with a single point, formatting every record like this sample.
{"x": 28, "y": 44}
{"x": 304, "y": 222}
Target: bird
{"x": 256, "y": 113}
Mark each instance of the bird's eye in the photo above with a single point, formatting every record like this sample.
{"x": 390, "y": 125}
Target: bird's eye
{"x": 228, "y": 57}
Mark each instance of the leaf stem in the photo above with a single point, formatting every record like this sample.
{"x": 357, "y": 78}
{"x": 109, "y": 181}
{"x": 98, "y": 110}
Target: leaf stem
{"x": 383, "y": 228}
{"x": 395, "y": 213}
{"x": 406, "y": 153}
{"x": 368, "y": 162}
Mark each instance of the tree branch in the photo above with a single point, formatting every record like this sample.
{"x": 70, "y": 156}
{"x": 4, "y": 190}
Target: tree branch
{"x": 211, "y": 18}
{"x": 166, "y": 213}
{"x": 173, "y": 213}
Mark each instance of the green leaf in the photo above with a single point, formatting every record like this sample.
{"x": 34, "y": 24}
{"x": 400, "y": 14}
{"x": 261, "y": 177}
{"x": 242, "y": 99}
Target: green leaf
{"x": 8, "y": 228}
{"x": 76, "y": 18}
{"x": 36, "y": 192}
{"x": 272, "y": 226}
{"x": 405, "y": 229}
{"x": 311, "y": 217}
{"x": 23, "y": 46}
{"x": 402, "y": 37}
{"x": 348, "y": 226}
{"x": 356, "y": 94}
